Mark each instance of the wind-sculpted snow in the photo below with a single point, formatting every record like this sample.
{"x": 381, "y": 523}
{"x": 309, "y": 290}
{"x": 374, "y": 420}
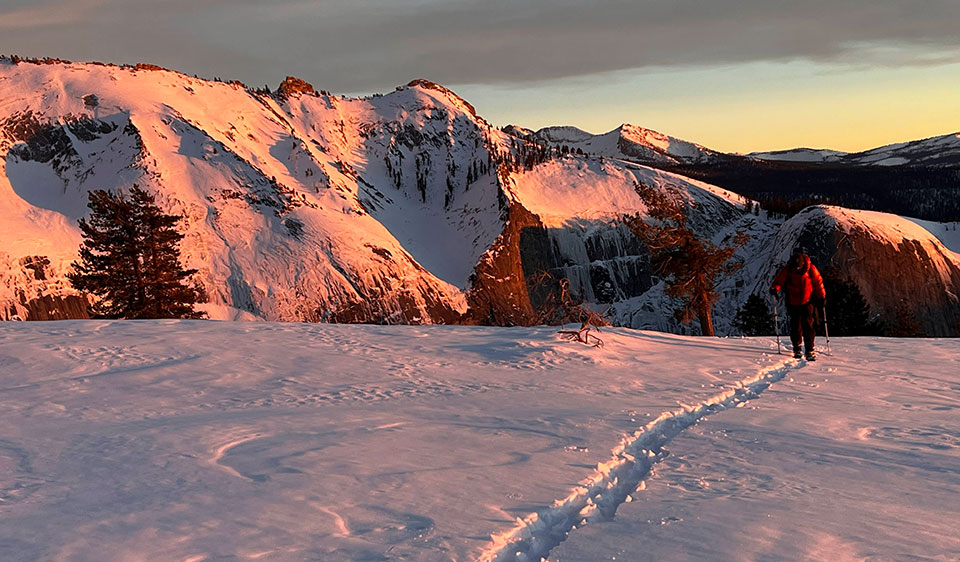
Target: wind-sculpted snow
{"x": 190, "y": 440}
{"x": 598, "y": 497}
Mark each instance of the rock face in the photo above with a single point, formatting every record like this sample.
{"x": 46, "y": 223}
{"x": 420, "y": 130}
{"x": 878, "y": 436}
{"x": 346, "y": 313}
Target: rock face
{"x": 502, "y": 287}
{"x": 38, "y": 290}
{"x": 292, "y": 85}
{"x": 906, "y": 275}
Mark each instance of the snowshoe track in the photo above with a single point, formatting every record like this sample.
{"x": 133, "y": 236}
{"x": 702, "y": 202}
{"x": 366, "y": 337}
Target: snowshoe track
{"x": 598, "y": 496}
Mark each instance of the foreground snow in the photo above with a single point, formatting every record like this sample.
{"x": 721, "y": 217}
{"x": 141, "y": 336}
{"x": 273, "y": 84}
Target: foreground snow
{"x": 171, "y": 440}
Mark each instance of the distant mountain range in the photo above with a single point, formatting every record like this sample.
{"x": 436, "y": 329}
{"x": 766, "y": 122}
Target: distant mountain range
{"x": 406, "y": 207}
{"x": 918, "y": 178}
{"x": 942, "y": 150}
{"x": 630, "y": 142}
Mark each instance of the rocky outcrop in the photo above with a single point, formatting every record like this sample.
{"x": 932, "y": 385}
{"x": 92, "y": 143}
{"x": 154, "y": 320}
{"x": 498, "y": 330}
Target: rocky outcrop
{"x": 292, "y": 85}
{"x": 910, "y": 280}
{"x": 505, "y": 287}
{"x": 36, "y": 290}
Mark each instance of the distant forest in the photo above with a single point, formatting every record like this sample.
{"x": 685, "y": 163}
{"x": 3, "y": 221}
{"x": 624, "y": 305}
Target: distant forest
{"x": 930, "y": 193}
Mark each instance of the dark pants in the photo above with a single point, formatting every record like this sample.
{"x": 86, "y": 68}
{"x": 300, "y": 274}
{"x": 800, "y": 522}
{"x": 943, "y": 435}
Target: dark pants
{"x": 801, "y": 325}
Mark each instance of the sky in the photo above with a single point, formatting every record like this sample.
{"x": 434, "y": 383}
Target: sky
{"x": 733, "y": 75}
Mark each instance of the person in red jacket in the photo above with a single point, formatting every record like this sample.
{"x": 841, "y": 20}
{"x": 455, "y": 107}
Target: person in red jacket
{"x": 803, "y": 285}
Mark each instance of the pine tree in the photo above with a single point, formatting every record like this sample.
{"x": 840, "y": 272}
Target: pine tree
{"x": 754, "y": 318}
{"x": 107, "y": 267}
{"x": 130, "y": 259}
{"x": 689, "y": 265}
{"x": 848, "y": 313}
{"x": 167, "y": 294}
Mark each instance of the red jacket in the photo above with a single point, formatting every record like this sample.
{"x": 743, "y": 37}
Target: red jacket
{"x": 800, "y": 283}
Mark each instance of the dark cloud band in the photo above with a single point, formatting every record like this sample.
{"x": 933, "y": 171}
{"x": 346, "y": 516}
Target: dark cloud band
{"x": 372, "y": 44}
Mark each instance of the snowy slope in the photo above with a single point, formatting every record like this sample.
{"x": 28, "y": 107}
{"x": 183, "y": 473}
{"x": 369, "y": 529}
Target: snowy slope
{"x": 630, "y": 142}
{"x": 191, "y": 440}
{"x": 800, "y": 155}
{"x": 837, "y": 462}
{"x": 299, "y": 206}
{"x": 291, "y": 212}
{"x": 943, "y": 150}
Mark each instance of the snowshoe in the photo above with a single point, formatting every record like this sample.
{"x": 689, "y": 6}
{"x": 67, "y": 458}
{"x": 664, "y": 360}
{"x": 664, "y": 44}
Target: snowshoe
{"x": 797, "y": 354}
{"x": 810, "y": 356}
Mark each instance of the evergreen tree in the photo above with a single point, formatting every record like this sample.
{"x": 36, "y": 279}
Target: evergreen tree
{"x": 848, "y": 313}
{"x": 108, "y": 267}
{"x": 908, "y": 326}
{"x": 689, "y": 265}
{"x": 754, "y": 317}
{"x": 130, "y": 259}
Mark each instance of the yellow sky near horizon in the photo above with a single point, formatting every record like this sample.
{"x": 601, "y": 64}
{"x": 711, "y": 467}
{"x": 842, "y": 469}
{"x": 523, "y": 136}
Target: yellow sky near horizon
{"x": 747, "y": 108}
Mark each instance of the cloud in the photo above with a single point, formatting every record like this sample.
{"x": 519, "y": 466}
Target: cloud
{"x": 505, "y": 41}
{"x": 365, "y": 45}
{"x": 43, "y": 14}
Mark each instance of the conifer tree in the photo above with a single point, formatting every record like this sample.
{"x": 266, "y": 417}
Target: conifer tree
{"x": 848, "y": 313}
{"x": 690, "y": 266}
{"x": 754, "y": 318}
{"x": 130, "y": 259}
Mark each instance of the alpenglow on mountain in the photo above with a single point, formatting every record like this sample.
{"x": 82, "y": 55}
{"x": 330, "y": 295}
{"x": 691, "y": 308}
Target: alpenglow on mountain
{"x": 406, "y": 207}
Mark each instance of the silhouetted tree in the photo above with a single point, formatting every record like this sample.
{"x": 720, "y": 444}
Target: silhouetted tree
{"x": 848, "y": 313}
{"x": 130, "y": 259}
{"x": 690, "y": 266}
{"x": 754, "y": 318}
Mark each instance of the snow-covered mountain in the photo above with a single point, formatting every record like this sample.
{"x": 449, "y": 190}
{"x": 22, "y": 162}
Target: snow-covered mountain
{"x": 629, "y": 142}
{"x": 813, "y": 155}
{"x": 645, "y": 146}
{"x": 406, "y": 207}
{"x": 942, "y": 150}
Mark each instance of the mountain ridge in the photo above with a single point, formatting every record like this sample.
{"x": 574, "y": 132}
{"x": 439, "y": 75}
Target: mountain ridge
{"x": 654, "y": 147}
{"x": 404, "y": 207}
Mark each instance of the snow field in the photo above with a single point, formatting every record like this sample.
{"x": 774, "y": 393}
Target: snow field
{"x": 855, "y": 457}
{"x": 192, "y": 440}
{"x": 598, "y": 497}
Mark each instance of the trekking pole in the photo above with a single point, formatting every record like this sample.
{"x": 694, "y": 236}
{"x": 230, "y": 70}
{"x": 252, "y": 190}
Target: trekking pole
{"x": 776, "y": 321}
{"x": 826, "y": 330}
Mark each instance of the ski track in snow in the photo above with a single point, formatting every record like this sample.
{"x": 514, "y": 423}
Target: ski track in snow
{"x": 598, "y": 496}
